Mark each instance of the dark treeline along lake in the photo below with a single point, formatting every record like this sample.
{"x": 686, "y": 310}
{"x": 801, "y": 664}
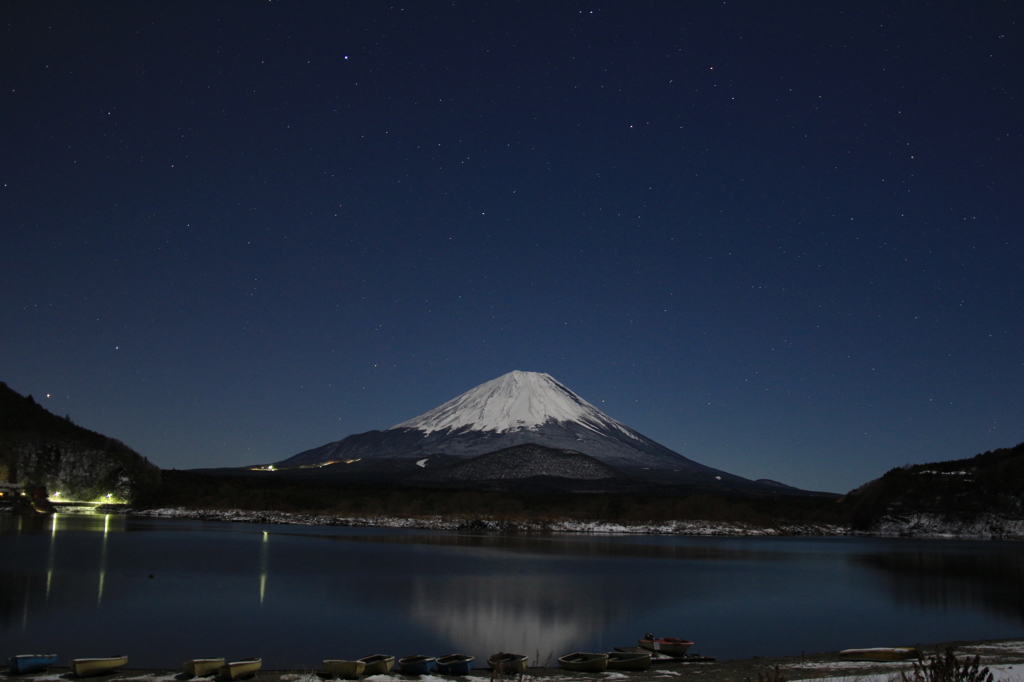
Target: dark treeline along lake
{"x": 164, "y": 591}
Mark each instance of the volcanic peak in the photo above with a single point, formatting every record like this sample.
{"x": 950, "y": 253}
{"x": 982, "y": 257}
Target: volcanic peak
{"x": 513, "y": 402}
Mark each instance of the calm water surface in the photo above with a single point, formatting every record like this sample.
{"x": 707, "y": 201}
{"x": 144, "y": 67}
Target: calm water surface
{"x": 164, "y": 591}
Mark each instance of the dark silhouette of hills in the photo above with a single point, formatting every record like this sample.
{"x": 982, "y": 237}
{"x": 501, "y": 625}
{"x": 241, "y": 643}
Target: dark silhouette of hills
{"x": 956, "y": 493}
{"x": 41, "y": 450}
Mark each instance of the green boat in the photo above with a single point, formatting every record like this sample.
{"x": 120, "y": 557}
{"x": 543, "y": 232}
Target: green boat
{"x": 621, "y": 660}
{"x": 378, "y": 664}
{"x": 503, "y": 662}
{"x": 583, "y": 662}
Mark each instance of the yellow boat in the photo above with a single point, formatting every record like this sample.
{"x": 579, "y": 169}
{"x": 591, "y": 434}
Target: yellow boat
{"x": 201, "y": 667}
{"x": 237, "y": 670}
{"x": 87, "y": 667}
{"x": 894, "y": 653}
{"x": 346, "y": 670}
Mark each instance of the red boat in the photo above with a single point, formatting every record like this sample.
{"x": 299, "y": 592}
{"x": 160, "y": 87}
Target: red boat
{"x": 670, "y": 646}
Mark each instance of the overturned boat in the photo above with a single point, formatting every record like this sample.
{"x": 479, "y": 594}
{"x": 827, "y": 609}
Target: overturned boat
{"x": 237, "y": 670}
{"x": 201, "y": 667}
{"x": 89, "y": 667}
{"x": 30, "y": 663}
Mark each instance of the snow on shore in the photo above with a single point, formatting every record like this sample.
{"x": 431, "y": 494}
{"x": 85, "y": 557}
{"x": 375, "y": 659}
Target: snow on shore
{"x": 925, "y": 524}
{"x": 439, "y": 523}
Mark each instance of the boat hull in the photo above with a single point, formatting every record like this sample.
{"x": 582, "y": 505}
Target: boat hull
{"x": 417, "y": 665}
{"x": 897, "y": 653}
{"x": 618, "y": 660}
{"x": 30, "y": 663}
{"x": 582, "y": 662}
{"x": 508, "y": 663}
{"x": 201, "y": 667}
{"x": 455, "y": 664}
{"x": 670, "y": 646}
{"x": 346, "y": 670}
{"x": 378, "y": 664}
{"x": 237, "y": 670}
{"x": 90, "y": 667}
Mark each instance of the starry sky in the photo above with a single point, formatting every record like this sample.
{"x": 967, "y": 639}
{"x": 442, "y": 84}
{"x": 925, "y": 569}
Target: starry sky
{"x": 783, "y": 239}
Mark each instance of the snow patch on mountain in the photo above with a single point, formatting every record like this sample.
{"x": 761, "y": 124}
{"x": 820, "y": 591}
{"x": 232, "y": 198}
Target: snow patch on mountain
{"x": 513, "y": 402}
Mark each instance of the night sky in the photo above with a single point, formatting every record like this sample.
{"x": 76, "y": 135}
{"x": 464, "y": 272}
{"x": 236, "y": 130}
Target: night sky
{"x": 783, "y": 239}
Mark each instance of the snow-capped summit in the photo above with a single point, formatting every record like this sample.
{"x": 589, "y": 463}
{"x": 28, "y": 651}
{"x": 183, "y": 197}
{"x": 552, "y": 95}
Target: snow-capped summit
{"x": 513, "y": 402}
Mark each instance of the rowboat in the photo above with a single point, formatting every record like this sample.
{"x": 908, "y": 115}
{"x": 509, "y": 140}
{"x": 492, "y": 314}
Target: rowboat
{"x": 87, "y": 667}
{"x": 896, "y": 653}
{"x": 377, "y": 664}
{"x": 508, "y": 663}
{"x": 201, "y": 667}
{"x": 417, "y": 665}
{"x": 621, "y": 660}
{"x": 673, "y": 646}
{"x": 455, "y": 664}
{"x": 346, "y": 670}
{"x": 236, "y": 670}
{"x": 31, "y": 663}
{"x": 584, "y": 662}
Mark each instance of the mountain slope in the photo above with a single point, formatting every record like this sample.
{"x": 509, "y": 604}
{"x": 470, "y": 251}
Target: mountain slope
{"x": 980, "y": 495}
{"x": 523, "y": 461}
{"x": 515, "y": 409}
{"x": 38, "y": 448}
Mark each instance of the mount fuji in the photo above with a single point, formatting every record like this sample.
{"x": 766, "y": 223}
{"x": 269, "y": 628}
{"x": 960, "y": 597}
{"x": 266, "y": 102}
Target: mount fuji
{"x": 499, "y": 418}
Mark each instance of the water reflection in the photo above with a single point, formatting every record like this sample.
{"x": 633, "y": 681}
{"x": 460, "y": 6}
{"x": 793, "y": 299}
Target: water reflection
{"x": 264, "y": 564}
{"x": 963, "y": 578}
{"x": 597, "y": 546}
{"x": 63, "y": 522}
{"x": 25, "y": 592}
{"x": 526, "y": 614}
{"x": 298, "y": 595}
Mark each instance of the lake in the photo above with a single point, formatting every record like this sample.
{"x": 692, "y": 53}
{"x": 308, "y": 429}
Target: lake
{"x": 164, "y": 591}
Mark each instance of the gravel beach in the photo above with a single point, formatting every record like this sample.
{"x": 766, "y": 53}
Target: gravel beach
{"x": 1005, "y": 659}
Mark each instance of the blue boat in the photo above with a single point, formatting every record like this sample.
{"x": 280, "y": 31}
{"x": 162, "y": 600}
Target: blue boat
{"x": 417, "y": 665}
{"x": 31, "y": 663}
{"x": 454, "y": 664}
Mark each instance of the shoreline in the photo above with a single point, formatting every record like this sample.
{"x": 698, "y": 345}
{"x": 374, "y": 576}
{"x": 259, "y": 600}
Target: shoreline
{"x": 1004, "y": 658}
{"x": 915, "y": 526}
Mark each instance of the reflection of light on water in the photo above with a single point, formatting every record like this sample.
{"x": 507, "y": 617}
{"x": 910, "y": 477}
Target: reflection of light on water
{"x": 263, "y": 565}
{"x": 529, "y": 615}
{"x": 24, "y": 612}
{"x": 49, "y": 557}
{"x": 103, "y": 559}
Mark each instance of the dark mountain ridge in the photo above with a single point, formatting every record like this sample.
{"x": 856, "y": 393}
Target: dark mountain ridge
{"x": 985, "y": 489}
{"x": 41, "y": 450}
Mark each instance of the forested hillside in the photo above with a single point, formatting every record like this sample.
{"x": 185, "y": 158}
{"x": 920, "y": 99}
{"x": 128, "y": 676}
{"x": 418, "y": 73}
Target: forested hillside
{"x": 42, "y": 450}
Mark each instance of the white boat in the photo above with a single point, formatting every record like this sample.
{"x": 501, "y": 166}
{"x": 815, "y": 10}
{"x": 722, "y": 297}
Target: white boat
{"x": 894, "y": 653}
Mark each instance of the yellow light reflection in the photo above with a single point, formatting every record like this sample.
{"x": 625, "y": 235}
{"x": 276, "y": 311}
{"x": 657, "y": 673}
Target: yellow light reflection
{"x": 264, "y": 548}
{"x": 103, "y": 559}
{"x": 49, "y": 556}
